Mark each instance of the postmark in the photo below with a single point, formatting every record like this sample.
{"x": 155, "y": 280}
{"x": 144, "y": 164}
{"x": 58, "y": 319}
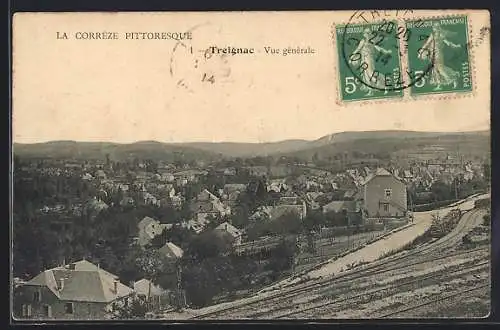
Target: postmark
{"x": 398, "y": 55}
{"x": 371, "y": 50}
{"x": 370, "y": 64}
{"x": 192, "y": 64}
{"x": 444, "y": 40}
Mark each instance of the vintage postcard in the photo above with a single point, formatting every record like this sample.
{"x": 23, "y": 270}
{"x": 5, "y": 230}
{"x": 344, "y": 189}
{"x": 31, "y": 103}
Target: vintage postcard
{"x": 251, "y": 165}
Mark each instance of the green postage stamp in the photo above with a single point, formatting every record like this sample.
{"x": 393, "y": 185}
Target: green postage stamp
{"x": 369, "y": 62}
{"x": 443, "y": 46}
{"x": 399, "y": 58}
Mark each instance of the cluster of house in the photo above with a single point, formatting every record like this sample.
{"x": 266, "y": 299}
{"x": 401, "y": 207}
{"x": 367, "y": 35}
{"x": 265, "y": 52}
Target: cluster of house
{"x": 164, "y": 187}
{"x": 424, "y": 175}
{"x": 81, "y": 291}
{"x": 380, "y": 195}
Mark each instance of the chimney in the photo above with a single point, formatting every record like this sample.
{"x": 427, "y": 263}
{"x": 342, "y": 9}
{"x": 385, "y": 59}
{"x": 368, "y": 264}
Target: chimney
{"x": 61, "y": 284}
{"x": 132, "y": 284}
{"x": 115, "y": 287}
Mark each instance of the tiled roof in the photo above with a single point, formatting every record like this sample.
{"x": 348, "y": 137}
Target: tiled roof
{"x": 338, "y": 206}
{"x": 171, "y": 250}
{"x": 281, "y": 210}
{"x": 232, "y": 187}
{"x": 227, "y": 227}
{"x": 146, "y": 221}
{"x": 86, "y": 282}
{"x": 142, "y": 287}
{"x": 378, "y": 172}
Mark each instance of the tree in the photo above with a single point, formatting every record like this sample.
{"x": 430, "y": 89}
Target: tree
{"x": 487, "y": 219}
{"x": 239, "y": 215}
{"x": 204, "y": 279}
{"x": 441, "y": 191}
{"x": 179, "y": 235}
{"x": 151, "y": 263}
{"x": 282, "y": 256}
{"x": 288, "y": 223}
{"x": 487, "y": 172}
{"x": 159, "y": 240}
{"x": 134, "y": 309}
{"x": 314, "y": 220}
{"x": 207, "y": 245}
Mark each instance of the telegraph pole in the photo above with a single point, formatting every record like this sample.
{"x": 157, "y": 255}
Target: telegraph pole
{"x": 181, "y": 299}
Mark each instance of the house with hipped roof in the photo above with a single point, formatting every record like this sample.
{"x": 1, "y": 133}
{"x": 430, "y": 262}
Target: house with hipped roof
{"x": 351, "y": 209}
{"x": 231, "y": 231}
{"x": 149, "y": 228}
{"x": 207, "y": 204}
{"x": 171, "y": 251}
{"x": 77, "y": 291}
{"x": 157, "y": 297}
{"x": 383, "y": 195}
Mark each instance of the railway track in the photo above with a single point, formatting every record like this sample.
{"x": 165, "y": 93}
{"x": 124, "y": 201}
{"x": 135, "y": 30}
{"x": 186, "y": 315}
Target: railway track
{"x": 336, "y": 285}
{"x": 399, "y": 260}
{"x": 436, "y": 300}
{"x": 365, "y": 296}
{"x": 363, "y": 280}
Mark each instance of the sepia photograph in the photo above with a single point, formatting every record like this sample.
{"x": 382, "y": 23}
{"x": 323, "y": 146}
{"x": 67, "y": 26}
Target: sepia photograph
{"x": 181, "y": 166}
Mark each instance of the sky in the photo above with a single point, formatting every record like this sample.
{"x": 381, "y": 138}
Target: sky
{"x": 131, "y": 90}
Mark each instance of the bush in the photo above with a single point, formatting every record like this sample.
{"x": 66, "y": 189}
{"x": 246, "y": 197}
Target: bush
{"x": 135, "y": 309}
{"x": 466, "y": 240}
{"x": 487, "y": 219}
{"x": 432, "y": 206}
{"x": 482, "y": 203}
{"x": 442, "y": 226}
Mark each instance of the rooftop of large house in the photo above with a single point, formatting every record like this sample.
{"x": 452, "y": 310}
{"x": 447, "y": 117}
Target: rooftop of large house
{"x": 378, "y": 172}
{"x": 229, "y": 228}
{"x": 171, "y": 250}
{"x": 146, "y": 287}
{"x": 338, "y": 206}
{"x": 81, "y": 281}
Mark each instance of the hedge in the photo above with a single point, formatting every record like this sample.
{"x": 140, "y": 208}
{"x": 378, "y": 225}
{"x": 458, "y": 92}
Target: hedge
{"x": 433, "y": 206}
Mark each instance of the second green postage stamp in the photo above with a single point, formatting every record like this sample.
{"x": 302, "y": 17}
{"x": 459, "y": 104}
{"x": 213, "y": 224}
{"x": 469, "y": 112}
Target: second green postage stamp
{"x": 440, "y": 55}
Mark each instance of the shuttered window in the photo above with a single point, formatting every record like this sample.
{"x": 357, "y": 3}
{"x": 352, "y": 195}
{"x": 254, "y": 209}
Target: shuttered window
{"x": 37, "y": 296}
{"x": 47, "y": 311}
{"x": 68, "y": 308}
{"x": 26, "y": 310}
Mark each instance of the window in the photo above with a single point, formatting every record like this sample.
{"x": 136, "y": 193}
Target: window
{"x": 37, "y": 296}
{"x": 26, "y": 310}
{"x": 388, "y": 193}
{"x": 47, "y": 311}
{"x": 68, "y": 308}
{"x": 386, "y": 207}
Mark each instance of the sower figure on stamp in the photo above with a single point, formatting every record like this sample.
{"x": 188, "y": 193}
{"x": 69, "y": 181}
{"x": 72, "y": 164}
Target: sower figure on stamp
{"x": 367, "y": 53}
{"x": 433, "y": 50}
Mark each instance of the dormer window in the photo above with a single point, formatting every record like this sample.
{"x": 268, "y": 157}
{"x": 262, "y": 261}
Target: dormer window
{"x": 37, "y": 296}
{"x": 388, "y": 193}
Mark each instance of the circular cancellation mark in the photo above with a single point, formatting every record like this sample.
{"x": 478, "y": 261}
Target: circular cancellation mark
{"x": 369, "y": 58}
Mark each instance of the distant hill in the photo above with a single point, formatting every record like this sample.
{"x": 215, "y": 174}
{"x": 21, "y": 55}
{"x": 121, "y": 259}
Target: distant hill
{"x": 340, "y": 141}
{"x": 98, "y": 150}
{"x": 236, "y": 149}
{"x": 400, "y": 142}
{"x": 367, "y": 142}
{"x": 367, "y": 135}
